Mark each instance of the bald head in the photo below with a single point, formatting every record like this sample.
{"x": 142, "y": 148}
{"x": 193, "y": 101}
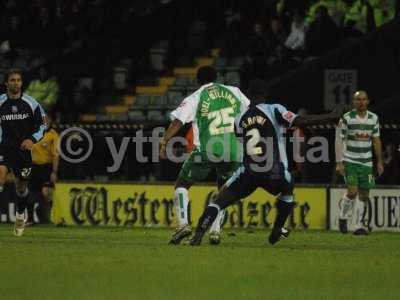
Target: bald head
{"x": 360, "y": 94}
{"x": 360, "y": 101}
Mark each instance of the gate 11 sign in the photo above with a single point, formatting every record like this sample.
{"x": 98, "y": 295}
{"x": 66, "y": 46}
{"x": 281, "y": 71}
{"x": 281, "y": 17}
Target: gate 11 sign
{"x": 339, "y": 86}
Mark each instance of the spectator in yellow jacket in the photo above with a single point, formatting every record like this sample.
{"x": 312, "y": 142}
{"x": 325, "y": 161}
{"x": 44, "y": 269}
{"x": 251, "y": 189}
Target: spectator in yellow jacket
{"x": 44, "y": 89}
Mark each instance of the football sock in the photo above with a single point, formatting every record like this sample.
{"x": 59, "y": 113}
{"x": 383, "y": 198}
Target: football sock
{"x": 284, "y": 206}
{"x": 22, "y": 199}
{"x": 208, "y": 217}
{"x": 346, "y": 208}
{"x": 367, "y": 213}
{"x": 216, "y": 226}
{"x": 181, "y": 205}
{"x": 30, "y": 206}
{"x": 360, "y": 209}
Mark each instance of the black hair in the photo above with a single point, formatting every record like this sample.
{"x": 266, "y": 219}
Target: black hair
{"x": 206, "y": 74}
{"x": 13, "y": 71}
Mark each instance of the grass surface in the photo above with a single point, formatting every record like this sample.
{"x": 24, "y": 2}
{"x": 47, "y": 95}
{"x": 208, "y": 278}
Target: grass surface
{"x": 122, "y": 263}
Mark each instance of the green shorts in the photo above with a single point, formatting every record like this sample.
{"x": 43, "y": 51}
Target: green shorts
{"x": 198, "y": 166}
{"x": 359, "y": 176}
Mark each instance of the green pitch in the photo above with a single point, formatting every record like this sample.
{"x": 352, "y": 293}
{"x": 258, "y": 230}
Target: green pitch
{"x": 122, "y": 263}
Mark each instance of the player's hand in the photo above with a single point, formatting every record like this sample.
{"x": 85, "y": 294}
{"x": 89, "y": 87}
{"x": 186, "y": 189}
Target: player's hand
{"x": 380, "y": 168}
{"x": 163, "y": 149}
{"x": 53, "y": 177}
{"x": 340, "y": 168}
{"x": 27, "y": 145}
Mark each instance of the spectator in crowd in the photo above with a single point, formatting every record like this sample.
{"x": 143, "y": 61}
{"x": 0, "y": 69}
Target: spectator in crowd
{"x": 236, "y": 31}
{"x": 44, "y": 89}
{"x": 258, "y": 49}
{"x": 361, "y": 13}
{"x": 323, "y": 34}
{"x": 336, "y": 9}
{"x": 384, "y": 11}
{"x": 276, "y": 46}
{"x": 296, "y": 39}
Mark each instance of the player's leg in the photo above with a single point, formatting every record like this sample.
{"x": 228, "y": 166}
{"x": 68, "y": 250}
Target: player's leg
{"x": 22, "y": 170}
{"x": 4, "y": 168}
{"x": 45, "y": 192}
{"x": 224, "y": 171}
{"x": 366, "y": 182}
{"x": 239, "y": 186}
{"x": 181, "y": 203}
{"x": 44, "y": 208}
{"x": 34, "y": 187}
{"x": 361, "y": 215}
{"x": 347, "y": 203}
{"x": 284, "y": 205}
{"x": 192, "y": 170}
{"x": 3, "y": 177}
{"x": 22, "y": 192}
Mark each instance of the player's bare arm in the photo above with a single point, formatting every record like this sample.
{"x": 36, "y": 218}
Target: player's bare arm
{"x": 339, "y": 146}
{"x": 172, "y": 130}
{"x": 377, "y": 145}
{"x": 307, "y": 120}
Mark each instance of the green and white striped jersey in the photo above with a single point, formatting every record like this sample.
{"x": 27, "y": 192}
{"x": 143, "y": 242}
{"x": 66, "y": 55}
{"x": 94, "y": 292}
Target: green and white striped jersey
{"x": 357, "y": 134}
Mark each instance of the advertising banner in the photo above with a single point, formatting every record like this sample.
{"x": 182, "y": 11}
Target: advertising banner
{"x": 383, "y": 211}
{"x": 152, "y": 205}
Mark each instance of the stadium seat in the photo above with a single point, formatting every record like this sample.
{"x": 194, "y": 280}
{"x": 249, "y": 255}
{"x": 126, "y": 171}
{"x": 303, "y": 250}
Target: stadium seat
{"x": 86, "y": 82}
{"x": 120, "y": 78}
{"x": 141, "y": 102}
{"x": 121, "y": 117}
{"x": 151, "y": 90}
{"x": 167, "y": 81}
{"x": 232, "y": 78}
{"x": 116, "y": 109}
{"x": 220, "y": 64}
{"x": 155, "y": 116}
{"x": 157, "y": 57}
{"x": 215, "y": 52}
{"x": 136, "y": 115}
{"x": 174, "y": 99}
{"x": 128, "y": 100}
{"x": 220, "y": 78}
{"x": 103, "y": 117}
{"x": 237, "y": 62}
{"x": 191, "y": 89}
{"x": 181, "y": 81}
{"x": 185, "y": 71}
{"x": 158, "y": 102}
{"x": 204, "y": 61}
{"x": 88, "y": 118}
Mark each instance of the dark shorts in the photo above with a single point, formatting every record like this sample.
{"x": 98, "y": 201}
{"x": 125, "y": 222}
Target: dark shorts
{"x": 243, "y": 183}
{"x": 16, "y": 160}
{"x": 40, "y": 177}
